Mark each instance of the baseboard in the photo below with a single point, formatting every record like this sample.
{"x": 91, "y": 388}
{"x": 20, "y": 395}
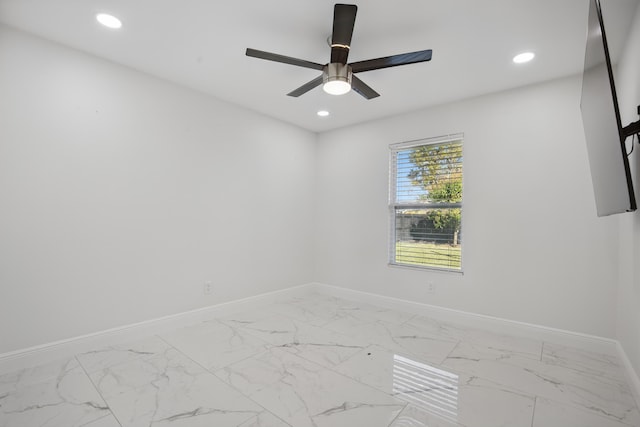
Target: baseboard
{"x": 500, "y": 325}
{"x": 41, "y": 354}
{"x": 632, "y": 375}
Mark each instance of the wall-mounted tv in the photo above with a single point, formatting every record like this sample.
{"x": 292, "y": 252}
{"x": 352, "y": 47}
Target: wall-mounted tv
{"x": 604, "y": 133}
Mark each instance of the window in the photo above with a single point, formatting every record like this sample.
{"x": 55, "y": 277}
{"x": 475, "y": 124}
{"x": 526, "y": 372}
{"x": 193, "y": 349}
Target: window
{"x": 426, "y": 203}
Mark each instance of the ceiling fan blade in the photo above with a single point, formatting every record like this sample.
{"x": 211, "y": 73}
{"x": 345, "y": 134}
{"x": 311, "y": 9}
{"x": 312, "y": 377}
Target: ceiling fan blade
{"x": 306, "y": 87}
{"x": 344, "y": 18}
{"x": 362, "y": 88}
{"x": 391, "y": 61}
{"x": 284, "y": 59}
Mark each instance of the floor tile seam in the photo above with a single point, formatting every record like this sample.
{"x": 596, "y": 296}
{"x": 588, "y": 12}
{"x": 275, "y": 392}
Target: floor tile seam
{"x": 409, "y": 352}
{"x": 428, "y": 334}
{"x": 125, "y": 362}
{"x": 613, "y": 364}
{"x": 257, "y": 404}
{"x": 462, "y": 331}
{"x": 136, "y": 358}
{"x": 291, "y": 348}
{"x": 620, "y": 379}
{"x": 617, "y": 372}
{"x": 496, "y": 384}
{"x": 234, "y": 323}
{"x": 247, "y": 396}
{"x": 95, "y": 387}
{"x": 486, "y": 378}
{"x": 354, "y": 355}
{"x": 508, "y": 352}
{"x": 569, "y": 403}
{"x": 255, "y": 333}
{"x": 396, "y": 395}
{"x": 348, "y": 336}
{"x": 455, "y": 326}
{"x": 406, "y": 351}
{"x": 260, "y": 310}
{"x": 462, "y": 326}
{"x": 215, "y": 376}
{"x": 317, "y": 321}
{"x": 204, "y": 367}
{"x": 369, "y": 386}
{"x": 514, "y": 363}
{"x": 346, "y": 311}
{"x": 266, "y": 410}
{"x": 398, "y": 415}
{"x": 274, "y": 314}
{"x": 268, "y": 346}
{"x": 171, "y": 347}
{"x": 584, "y": 409}
{"x": 236, "y": 329}
{"x": 520, "y": 351}
{"x": 295, "y": 319}
{"x": 212, "y": 372}
{"x": 533, "y": 414}
{"x": 412, "y": 316}
{"x": 197, "y": 324}
{"x": 324, "y": 323}
{"x": 374, "y": 318}
{"x": 110, "y": 414}
{"x": 322, "y": 367}
{"x": 306, "y": 319}
{"x": 451, "y": 352}
{"x": 14, "y": 386}
{"x": 367, "y": 319}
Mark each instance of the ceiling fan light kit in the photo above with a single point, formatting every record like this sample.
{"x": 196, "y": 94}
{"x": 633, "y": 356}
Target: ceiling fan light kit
{"x": 336, "y": 78}
{"x": 338, "y": 75}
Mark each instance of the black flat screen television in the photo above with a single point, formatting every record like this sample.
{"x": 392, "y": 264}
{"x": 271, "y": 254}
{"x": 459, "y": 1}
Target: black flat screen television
{"x": 604, "y": 133}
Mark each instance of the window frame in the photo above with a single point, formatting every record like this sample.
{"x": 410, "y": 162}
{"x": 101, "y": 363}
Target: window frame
{"x": 394, "y": 205}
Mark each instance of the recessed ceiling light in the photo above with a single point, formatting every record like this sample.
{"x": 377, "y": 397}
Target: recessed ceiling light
{"x": 109, "y": 21}
{"x": 323, "y": 113}
{"x": 523, "y": 57}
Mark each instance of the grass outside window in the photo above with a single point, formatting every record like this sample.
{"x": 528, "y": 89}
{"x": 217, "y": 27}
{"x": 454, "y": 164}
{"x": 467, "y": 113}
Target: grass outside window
{"x": 428, "y": 254}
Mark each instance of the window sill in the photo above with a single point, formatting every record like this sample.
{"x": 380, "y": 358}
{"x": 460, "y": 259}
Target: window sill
{"x": 434, "y": 269}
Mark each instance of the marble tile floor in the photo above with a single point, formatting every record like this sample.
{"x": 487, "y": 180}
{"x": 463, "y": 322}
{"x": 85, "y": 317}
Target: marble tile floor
{"x": 320, "y": 361}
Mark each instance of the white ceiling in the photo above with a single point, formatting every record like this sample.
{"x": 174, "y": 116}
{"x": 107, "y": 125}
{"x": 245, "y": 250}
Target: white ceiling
{"x": 201, "y": 44}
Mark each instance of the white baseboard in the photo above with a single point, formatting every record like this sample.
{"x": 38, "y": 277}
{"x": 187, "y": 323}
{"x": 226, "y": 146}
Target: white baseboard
{"x": 632, "y": 375}
{"x": 504, "y": 326}
{"x": 41, "y": 354}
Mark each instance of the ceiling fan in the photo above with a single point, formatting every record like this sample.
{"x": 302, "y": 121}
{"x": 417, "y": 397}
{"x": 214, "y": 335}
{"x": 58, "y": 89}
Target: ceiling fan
{"x": 338, "y": 76}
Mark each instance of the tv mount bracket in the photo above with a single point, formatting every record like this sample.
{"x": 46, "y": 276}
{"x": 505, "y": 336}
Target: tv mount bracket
{"x": 632, "y": 128}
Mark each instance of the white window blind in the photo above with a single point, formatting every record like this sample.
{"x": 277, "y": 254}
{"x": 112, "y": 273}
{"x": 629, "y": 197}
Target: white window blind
{"x": 426, "y": 203}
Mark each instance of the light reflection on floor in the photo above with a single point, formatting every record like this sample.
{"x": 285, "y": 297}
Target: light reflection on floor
{"x": 429, "y": 389}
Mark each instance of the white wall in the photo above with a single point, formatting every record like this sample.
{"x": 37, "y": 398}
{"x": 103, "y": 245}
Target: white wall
{"x": 534, "y": 250}
{"x": 121, "y": 194}
{"x": 628, "y": 319}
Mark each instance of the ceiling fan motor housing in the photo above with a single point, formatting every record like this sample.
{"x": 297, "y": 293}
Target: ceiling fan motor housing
{"x": 337, "y": 72}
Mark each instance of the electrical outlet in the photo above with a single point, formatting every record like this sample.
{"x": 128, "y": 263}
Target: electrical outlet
{"x": 431, "y": 287}
{"x": 207, "y": 288}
